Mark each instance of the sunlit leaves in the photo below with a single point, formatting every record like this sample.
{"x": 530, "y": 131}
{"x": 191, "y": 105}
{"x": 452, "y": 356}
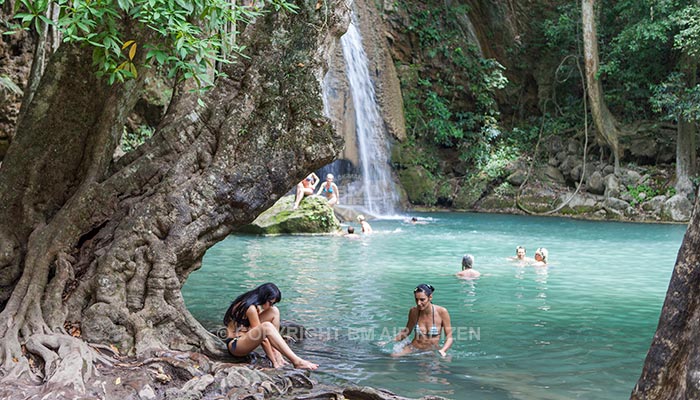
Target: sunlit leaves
{"x": 187, "y": 36}
{"x": 688, "y": 38}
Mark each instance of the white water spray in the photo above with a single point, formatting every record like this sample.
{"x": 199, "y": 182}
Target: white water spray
{"x": 377, "y": 185}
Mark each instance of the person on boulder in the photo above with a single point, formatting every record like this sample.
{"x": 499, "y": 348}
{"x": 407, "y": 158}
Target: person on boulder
{"x": 306, "y": 188}
{"x": 252, "y": 320}
{"x": 329, "y": 190}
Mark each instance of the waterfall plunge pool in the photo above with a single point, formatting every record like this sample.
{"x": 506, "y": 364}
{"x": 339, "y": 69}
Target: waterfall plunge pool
{"x": 579, "y": 328}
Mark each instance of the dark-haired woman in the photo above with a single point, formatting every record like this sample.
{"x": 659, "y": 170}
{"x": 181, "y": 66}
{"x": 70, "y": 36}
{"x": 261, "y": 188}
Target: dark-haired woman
{"x": 252, "y": 320}
{"x": 428, "y": 321}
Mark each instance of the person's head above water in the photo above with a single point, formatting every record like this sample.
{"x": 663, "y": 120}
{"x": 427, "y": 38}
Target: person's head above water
{"x": 467, "y": 261}
{"x": 541, "y": 253}
{"x": 360, "y": 217}
{"x": 351, "y": 230}
{"x": 520, "y": 252}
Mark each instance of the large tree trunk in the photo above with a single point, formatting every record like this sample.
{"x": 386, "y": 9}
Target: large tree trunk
{"x": 605, "y": 123}
{"x": 672, "y": 366}
{"x": 685, "y": 144}
{"x": 107, "y": 246}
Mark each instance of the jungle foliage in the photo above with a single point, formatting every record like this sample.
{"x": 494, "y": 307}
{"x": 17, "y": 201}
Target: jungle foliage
{"x": 451, "y": 95}
{"x": 188, "y": 37}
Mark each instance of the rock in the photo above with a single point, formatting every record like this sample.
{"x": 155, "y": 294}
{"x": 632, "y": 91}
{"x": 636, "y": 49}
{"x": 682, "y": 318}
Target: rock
{"x": 419, "y": 184}
{"x": 313, "y": 216}
{"x": 618, "y": 206}
{"x": 630, "y": 178}
{"x": 554, "y": 175}
{"x": 678, "y": 208}
{"x": 654, "y": 205}
{"x": 568, "y": 166}
{"x": 198, "y": 384}
{"x": 580, "y": 201}
{"x": 517, "y": 178}
{"x": 595, "y": 183}
{"x": 612, "y": 186}
{"x": 147, "y": 393}
{"x": 469, "y": 192}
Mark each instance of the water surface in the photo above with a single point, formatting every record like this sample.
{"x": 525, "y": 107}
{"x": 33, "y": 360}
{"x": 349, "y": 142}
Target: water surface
{"x": 579, "y": 328}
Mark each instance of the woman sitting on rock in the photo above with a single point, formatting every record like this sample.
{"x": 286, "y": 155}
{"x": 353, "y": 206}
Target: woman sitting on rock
{"x": 252, "y": 320}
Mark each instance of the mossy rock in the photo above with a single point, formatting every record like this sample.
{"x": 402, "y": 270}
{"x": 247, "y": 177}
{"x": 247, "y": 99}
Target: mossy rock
{"x": 470, "y": 191}
{"x": 420, "y": 185}
{"x": 313, "y": 216}
{"x": 495, "y": 202}
{"x": 538, "y": 204}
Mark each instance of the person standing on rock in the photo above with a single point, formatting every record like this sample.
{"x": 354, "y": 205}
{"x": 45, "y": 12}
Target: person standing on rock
{"x": 252, "y": 320}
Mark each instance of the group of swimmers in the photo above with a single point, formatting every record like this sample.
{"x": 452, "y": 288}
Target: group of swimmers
{"x": 252, "y": 320}
{"x": 329, "y": 190}
{"x": 540, "y": 260}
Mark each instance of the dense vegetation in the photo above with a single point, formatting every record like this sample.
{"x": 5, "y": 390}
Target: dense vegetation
{"x": 462, "y": 104}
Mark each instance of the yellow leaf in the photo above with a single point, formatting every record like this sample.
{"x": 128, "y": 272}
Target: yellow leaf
{"x": 118, "y": 381}
{"x": 128, "y": 42}
{"x": 132, "y": 51}
{"x": 122, "y": 65}
{"x": 132, "y": 68}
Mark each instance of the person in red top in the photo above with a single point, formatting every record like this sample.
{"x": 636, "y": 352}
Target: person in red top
{"x": 306, "y": 188}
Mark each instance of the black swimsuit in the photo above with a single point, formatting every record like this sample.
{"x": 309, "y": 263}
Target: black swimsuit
{"x": 231, "y": 348}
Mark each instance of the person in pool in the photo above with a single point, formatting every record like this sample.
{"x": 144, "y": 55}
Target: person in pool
{"x": 520, "y": 255}
{"x": 541, "y": 255}
{"x": 329, "y": 190}
{"x": 467, "y": 271}
{"x": 366, "y": 227}
{"x": 428, "y": 321}
{"x": 252, "y": 320}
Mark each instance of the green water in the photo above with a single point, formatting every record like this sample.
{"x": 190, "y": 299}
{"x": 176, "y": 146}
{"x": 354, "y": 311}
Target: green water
{"x": 577, "y": 329}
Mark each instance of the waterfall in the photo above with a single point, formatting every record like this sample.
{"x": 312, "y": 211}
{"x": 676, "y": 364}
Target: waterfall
{"x": 379, "y": 195}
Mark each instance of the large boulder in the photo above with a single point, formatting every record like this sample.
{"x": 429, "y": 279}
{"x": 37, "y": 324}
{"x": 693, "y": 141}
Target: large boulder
{"x": 313, "y": 216}
{"x": 678, "y": 208}
{"x": 595, "y": 183}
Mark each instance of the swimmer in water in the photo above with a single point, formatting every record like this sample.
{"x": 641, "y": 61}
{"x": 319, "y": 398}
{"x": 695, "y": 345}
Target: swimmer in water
{"x": 428, "y": 321}
{"x": 541, "y": 255}
{"x": 467, "y": 271}
{"x": 520, "y": 256}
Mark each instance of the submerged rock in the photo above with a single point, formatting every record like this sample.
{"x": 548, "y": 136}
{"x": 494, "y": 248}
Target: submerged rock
{"x": 313, "y": 216}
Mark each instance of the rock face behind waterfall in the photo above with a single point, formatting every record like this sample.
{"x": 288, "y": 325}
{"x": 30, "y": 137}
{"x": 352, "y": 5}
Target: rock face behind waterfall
{"x": 313, "y": 216}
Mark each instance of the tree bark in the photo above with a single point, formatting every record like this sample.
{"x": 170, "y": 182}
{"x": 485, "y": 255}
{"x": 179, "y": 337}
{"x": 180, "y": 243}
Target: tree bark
{"x": 686, "y": 162}
{"x": 606, "y": 124}
{"x": 672, "y": 365}
{"x": 108, "y": 245}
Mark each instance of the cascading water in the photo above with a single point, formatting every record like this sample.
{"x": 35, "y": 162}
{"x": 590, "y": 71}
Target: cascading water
{"x": 377, "y": 185}
{"x": 370, "y": 187}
